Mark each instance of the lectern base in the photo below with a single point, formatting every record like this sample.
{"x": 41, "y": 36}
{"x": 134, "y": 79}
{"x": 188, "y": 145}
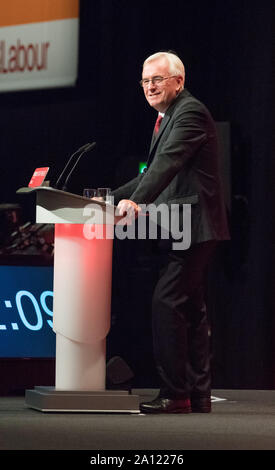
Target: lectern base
{"x": 48, "y": 399}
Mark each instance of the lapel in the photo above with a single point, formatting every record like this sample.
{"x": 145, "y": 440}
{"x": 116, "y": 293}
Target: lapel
{"x": 155, "y": 138}
{"x": 164, "y": 122}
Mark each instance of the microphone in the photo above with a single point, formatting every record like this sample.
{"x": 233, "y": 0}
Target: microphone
{"x": 69, "y": 161}
{"x": 87, "y": 149}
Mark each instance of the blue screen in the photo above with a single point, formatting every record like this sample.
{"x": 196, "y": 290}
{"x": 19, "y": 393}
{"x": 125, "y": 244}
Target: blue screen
{"x": 26, "y": 306}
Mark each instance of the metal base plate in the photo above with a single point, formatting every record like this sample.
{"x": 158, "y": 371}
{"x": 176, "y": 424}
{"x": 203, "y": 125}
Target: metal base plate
{"x": 48, "y": 399}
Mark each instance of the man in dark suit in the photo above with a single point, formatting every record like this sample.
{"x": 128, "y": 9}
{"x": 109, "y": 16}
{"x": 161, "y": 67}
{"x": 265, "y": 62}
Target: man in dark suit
{"x": 182, "y": 168}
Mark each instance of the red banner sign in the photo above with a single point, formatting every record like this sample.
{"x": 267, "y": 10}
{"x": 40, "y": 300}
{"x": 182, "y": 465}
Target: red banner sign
{"x": 38, "y": 177}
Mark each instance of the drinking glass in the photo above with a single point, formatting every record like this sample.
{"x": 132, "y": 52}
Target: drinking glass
{"x": 89, "y": 192}
{"x": 104, "y": 193}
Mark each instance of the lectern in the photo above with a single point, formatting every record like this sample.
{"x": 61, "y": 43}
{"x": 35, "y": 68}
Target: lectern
{"x": 83, "y": 246}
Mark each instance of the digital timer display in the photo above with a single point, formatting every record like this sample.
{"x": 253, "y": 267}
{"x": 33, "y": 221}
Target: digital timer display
{"x": 26, "y": 311}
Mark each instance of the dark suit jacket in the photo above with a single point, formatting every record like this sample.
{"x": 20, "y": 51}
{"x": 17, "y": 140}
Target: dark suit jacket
{"x": 183, "y": 168}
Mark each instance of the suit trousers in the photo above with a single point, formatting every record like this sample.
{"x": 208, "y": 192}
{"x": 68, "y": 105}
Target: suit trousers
{"x": 179, "y": 322}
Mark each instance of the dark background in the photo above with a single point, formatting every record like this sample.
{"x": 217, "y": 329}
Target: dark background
{"x": 226, "y": 48}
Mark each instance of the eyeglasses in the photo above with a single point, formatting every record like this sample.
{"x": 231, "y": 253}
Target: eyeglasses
{"x": 155, "y": 80}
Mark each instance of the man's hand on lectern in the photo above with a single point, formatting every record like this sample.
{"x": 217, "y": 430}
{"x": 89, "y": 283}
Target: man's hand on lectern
{"x": 98, "y": 198}
{"x": 128, "y": 209}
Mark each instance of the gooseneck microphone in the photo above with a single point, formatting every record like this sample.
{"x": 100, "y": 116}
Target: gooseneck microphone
{"x": 87, "y": 148}
{"x": 81, "y": 149}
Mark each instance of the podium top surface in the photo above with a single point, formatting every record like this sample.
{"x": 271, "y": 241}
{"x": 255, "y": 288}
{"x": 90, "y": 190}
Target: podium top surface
{"x": 27, "y": 190}
{"x": 57, "y": 206}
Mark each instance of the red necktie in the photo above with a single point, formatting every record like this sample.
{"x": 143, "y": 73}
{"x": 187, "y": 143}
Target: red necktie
{"x": 157, "y": 125}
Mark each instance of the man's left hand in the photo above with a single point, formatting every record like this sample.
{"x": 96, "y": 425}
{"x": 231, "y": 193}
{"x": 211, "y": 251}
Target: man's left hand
{"x": 128, "y": 209}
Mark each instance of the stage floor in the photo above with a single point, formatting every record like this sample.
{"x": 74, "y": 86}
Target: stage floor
{"x": 243, "y": 420}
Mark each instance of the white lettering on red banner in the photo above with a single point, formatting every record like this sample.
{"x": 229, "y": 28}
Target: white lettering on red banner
{"x": 38, "y": 177}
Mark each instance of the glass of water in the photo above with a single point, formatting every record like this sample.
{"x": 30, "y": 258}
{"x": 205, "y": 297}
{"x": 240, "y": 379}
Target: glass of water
{"x": 89, "y": 192}
{"x": 104, "y": 194}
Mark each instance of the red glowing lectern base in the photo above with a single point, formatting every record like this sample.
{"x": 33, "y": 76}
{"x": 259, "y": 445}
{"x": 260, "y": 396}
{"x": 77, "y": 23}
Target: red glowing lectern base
{"x": 81, "y": 306}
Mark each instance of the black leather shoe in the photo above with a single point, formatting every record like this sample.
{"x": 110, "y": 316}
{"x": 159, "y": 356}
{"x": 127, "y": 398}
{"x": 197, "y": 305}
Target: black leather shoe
{"x": 166, "y": 405}
{"x": 201, "y": 405}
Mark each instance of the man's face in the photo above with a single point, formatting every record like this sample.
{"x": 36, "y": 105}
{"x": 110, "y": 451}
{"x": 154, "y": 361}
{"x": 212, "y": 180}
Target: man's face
{"x": 160, "y": 95}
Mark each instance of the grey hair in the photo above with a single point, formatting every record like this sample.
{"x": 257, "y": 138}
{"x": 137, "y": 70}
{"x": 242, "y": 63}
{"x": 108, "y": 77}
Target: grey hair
{"x": 176, "y": 66}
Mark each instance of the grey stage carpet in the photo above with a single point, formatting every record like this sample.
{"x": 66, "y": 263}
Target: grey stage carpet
{"x": 245, "y": 420}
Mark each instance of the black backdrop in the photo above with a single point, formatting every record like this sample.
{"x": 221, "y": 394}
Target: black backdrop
{"x": 226, "y": 48}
